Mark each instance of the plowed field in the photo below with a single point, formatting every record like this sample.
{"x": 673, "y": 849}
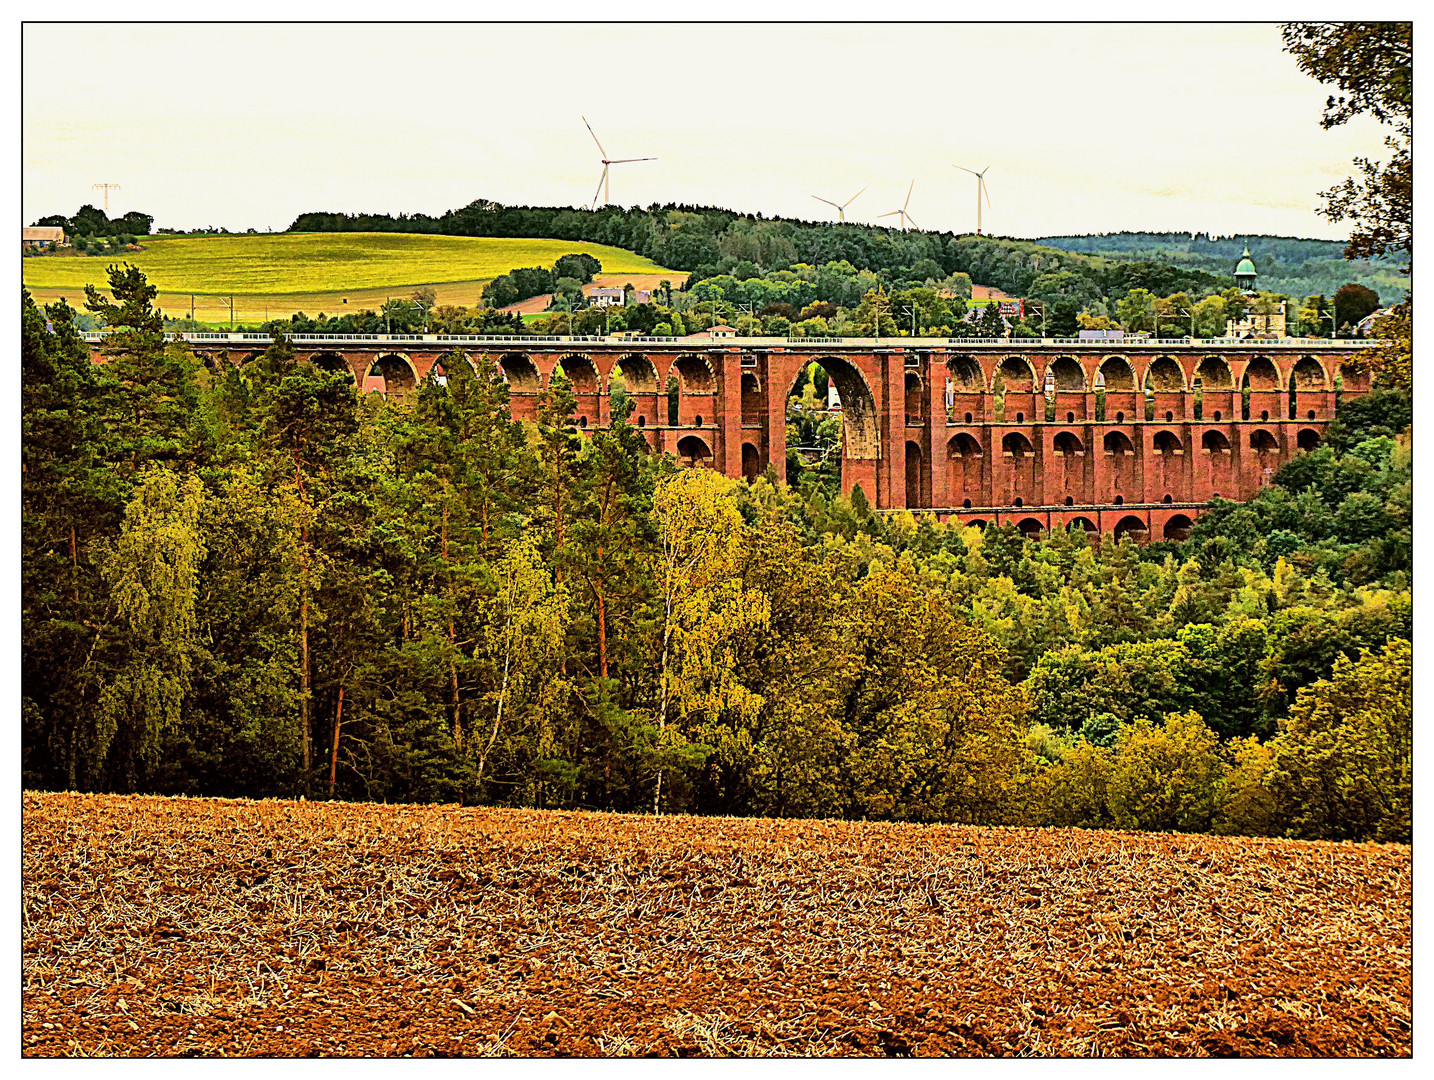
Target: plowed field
{"x": 177, "y": 926}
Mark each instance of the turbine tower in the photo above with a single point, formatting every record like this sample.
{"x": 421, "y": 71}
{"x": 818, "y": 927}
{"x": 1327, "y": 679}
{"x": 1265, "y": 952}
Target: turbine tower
{"x": 840, "y": 207}
{"x": 980, "y": 190}
{"x": 606, "y": 161}
{"x": 906, "y": 219}
{"x": 106, "y": 189}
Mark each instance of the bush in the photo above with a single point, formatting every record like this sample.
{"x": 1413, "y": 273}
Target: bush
{"x": 1073, "y": 792}
{"x": 1341, "y": 767}
{"x": 1166, "y": 778}
{"x": 1248, "y": 808}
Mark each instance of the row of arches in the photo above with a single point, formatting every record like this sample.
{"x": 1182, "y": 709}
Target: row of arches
{"x": 1114, "y": 392}
{"x": 1114, "y": 471}
{"x": 1070, "y": 444}
{"x": 633, "y": 373}
{"x": 1066, "y": 374}
{"x": 1014, "y": 374}
{"x": 1175, "y": 527}
{"x": 637, "y": 376}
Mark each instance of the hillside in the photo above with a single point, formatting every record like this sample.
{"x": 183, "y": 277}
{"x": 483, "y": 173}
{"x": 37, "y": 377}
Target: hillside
{"x": 157, "y": 926}
{"x": 1300, "y": 267}
{"x": 709, "y": 241}
{"x": 286, "y": 272}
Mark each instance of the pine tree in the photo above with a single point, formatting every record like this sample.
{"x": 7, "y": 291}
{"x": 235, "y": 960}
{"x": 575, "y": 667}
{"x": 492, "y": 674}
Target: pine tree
{"x": 153, "y": 392}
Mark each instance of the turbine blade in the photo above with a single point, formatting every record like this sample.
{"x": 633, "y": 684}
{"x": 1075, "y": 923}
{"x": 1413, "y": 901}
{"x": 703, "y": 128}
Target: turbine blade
{"x": 964, "y": 169}
{"x": 600, "y": 183}
{"x": 851, "y": 200}
{"x": 913, "y": 221}
{"x": 827, "y": 201}
{"x": 892, "y": 214}
{"x": 594, "y": 135}
{"x": 625, "y": 160}
{"x": 908, "y": 195}
{"x": 987, "y": 192}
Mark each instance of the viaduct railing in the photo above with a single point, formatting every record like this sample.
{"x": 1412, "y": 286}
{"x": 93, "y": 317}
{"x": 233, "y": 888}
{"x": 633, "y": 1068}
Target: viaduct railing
{"x": 521, "y": 340}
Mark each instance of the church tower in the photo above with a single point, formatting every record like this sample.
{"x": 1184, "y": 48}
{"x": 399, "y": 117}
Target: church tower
{"x": 1245, "y": 274}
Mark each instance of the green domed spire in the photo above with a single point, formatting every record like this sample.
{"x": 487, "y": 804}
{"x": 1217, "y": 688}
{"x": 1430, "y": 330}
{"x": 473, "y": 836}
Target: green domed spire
{"x": 1245, "y": 266}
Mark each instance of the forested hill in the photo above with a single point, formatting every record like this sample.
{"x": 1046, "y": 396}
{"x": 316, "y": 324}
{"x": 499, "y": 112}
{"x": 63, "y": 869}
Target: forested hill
{"x": 707, "y": 241}
{"x": 1288, "y": 264}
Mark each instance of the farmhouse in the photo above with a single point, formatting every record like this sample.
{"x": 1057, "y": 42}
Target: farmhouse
{"x": 40, "y": 237}
{"x": 607, "y": 296}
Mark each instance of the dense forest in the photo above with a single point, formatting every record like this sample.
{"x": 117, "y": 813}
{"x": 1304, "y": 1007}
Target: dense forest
{"x": 1286, "y": 264}
{"x": 255, "y": 581}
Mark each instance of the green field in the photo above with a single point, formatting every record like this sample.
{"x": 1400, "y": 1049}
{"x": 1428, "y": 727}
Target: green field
{"x": 282, "y": 264}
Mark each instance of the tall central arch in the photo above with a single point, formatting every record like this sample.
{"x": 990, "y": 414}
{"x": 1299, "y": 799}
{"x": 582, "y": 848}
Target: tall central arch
{"x": 861, "y": 431}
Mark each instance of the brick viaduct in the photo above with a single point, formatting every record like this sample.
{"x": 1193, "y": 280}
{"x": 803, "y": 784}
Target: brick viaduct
{"x": 1124, "y": 437}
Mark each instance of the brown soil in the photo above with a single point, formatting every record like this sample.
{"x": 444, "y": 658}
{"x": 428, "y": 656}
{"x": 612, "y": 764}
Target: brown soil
{"x": 531, "y": 306}
{"x": 179, "y": 926}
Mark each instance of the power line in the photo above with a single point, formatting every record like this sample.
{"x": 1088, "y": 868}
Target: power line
{"x": 106, "y": 189}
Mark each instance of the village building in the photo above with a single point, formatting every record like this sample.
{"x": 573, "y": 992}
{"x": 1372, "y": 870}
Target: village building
{"x": 606, "y": 296}
{"x": 1263, "y": 318}
{"x": 1365, "y": 326}
{"x": 42, "y": 237}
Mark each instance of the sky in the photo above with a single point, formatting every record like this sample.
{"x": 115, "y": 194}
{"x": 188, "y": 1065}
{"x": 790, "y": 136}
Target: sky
{"x": 1085, "y": 128}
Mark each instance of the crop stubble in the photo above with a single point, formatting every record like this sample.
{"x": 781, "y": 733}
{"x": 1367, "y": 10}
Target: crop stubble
{"x": 180, "y": 926}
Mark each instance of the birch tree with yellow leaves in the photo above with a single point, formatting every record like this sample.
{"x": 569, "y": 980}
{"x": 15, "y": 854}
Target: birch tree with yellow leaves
{"x": 707, "y": 611}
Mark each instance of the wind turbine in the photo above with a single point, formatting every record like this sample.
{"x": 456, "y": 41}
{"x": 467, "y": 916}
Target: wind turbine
{"x": 606, "y": 161}
{"x": 980, "y": 190}
{"x": 840, "y": 207}
{"x": 904, "y": 216}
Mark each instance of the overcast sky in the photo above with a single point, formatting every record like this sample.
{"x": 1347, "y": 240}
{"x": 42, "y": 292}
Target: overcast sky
{"x": 1085, "y": 128}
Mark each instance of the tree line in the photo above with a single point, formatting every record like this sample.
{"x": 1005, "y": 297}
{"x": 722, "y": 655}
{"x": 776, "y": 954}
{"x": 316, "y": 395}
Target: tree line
{"x": 567, "y": 275}
{"x": 92, "y": 221}
{"x": 708, "y": 241}
{"x": 254, "y": 581}
{"x": 93, "y": 232}
{"x": 1286, "y": 264}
